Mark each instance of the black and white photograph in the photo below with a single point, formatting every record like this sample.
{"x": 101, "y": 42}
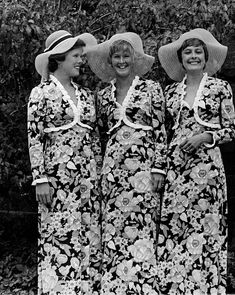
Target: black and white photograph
{"x": 117, "y": 147}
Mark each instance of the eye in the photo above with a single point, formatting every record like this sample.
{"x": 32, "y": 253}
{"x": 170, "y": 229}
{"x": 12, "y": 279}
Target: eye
{"x": 115, "y": 55}
{"x": 199, "y": 51}
{"x": 187, "y": 51}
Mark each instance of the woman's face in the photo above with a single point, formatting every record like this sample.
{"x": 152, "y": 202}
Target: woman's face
{"x": 193, "y": 58}
{"x": 73, "y": 60}
{"x": 122, "y": 62}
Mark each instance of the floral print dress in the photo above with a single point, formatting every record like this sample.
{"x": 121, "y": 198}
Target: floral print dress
{"x": 63, "y": 146}
{"x": 135, "y": 147}
{"x": 192, "y": 252}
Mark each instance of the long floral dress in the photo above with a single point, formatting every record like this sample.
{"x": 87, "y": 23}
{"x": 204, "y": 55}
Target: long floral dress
{"x": 63, "y": 145}
{"x": 192, "y": 252}
{"x": 135, "y": 147}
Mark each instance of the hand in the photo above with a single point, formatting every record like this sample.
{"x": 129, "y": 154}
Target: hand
{"x": 191, "y": 144}
{"x": 43, "y": 193}
{"x": 158, "y": 180}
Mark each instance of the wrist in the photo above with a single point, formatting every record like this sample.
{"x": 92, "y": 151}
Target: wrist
{"x": 207, "y": 137}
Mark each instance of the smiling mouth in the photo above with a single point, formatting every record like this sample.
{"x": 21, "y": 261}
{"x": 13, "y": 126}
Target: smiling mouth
{"x": 194, "y": 62}
{"x": 122, "y": 67}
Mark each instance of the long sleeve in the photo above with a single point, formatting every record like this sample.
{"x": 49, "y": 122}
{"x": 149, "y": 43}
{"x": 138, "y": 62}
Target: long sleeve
{"x": 96, "y": 142}
{"x": 227, "y": 116}
{"x": 169, "y": 121}
{"x": 102, "y": 121}
{"x": 158, "y": 121}
{"x": 36, "y": 117}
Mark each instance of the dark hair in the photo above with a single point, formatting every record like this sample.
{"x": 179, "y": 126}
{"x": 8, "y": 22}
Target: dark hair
{"x": 120, "y": 45}
{"x": 55, "y": 58}
{"x": 192, "y": 42}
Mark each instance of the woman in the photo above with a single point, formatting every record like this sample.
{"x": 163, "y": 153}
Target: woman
{"x": 193, "y": 229}
{"x": 63, "y": 145}
{"x": 131, "y": 116}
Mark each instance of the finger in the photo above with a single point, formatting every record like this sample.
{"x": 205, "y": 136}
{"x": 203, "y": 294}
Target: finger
{"x": 48, "y": 198}
{"x": 158, "y": 185}
{"x": 190, "y": 146}
{"x": 157, "y": 188}
{"x": 154, "y": 187}
{"x": 187, "y": 147}
{"x": 190, "y": 150}
{"x": 37, "y": 197}
{"x": 42, "y": 199}
{"x": 161, "y": 186}
{"x": 51, "y": 194}
{"x": 184, "y": 147}
{"x": 183, "y": 143}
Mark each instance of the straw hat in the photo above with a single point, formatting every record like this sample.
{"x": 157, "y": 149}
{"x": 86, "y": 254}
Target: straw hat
{"x": 169, "y": 60}
{"x": 60, "y": 42}
{"x": 97, "y": 56}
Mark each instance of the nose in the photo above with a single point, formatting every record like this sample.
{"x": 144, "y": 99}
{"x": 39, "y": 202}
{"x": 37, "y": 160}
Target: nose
{"x": 81, "y": 59}
{"x": 121, "y": 59}
{"x": 194, "y": 54}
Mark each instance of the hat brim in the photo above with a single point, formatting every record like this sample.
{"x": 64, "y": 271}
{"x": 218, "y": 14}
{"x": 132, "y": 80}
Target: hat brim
{"x": 169, "y": 59}
{"x": 97, "y": 57}
{"x": 41, "y": 61}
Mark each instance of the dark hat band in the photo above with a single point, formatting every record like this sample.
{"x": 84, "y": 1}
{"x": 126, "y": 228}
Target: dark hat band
{"x": 53, "y": 45}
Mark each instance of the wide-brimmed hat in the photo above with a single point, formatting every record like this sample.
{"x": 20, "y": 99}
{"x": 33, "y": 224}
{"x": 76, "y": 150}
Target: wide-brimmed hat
{"x": 97, "y": 56}
{"x": 59, "y": 42}
{"x": 169, "y": 60}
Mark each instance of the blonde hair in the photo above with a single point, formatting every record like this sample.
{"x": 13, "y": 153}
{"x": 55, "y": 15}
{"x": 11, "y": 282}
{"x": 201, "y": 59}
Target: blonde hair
{"x": 120, "y": 45}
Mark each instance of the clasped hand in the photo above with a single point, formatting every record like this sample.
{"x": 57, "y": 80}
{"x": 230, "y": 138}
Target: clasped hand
{"x": 43, "y": 194}
{"x": 191, "y": 144}
{"x": 158, "y": 180}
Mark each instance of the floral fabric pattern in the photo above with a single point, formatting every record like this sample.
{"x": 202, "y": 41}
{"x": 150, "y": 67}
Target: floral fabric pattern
{"x": 135, "y": 141}
{"x": 192, "y": 246}
{"x": 64, "y": 147}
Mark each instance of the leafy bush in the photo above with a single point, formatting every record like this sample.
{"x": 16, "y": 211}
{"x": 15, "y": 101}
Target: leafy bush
{"x": 26, "y": 24}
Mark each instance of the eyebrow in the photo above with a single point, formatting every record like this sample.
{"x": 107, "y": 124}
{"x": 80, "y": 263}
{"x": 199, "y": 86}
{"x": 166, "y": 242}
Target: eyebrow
{"x": 124, "y": 51}
{"x": 197, "y": 46}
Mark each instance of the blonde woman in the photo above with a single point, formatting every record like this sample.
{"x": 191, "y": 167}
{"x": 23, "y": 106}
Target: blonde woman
{"x": 131, "y": 119}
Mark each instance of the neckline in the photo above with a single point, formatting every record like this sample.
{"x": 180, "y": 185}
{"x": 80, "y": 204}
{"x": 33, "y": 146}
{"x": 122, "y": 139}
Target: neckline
{"x": 129, "y": 92}
{"x": 198, "y": 93}
{"x": 64, "y": 91}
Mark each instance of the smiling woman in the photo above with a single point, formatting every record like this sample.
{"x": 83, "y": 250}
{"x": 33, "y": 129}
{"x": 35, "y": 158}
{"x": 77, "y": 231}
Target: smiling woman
{"x": 121, "y": 57}
{"x": 192, "y": 249}
{"x": 131, "y": 119}
{"x": 64, "y": 148}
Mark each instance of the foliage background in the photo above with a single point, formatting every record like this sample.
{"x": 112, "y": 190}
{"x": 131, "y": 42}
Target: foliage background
{"x": 24, "y": 26}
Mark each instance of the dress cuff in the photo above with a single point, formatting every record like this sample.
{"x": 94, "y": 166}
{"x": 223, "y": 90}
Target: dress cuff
{"x": 210, "y": 145}
{"x": 156, "y": 170}
{"x": 40, "y": 180}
